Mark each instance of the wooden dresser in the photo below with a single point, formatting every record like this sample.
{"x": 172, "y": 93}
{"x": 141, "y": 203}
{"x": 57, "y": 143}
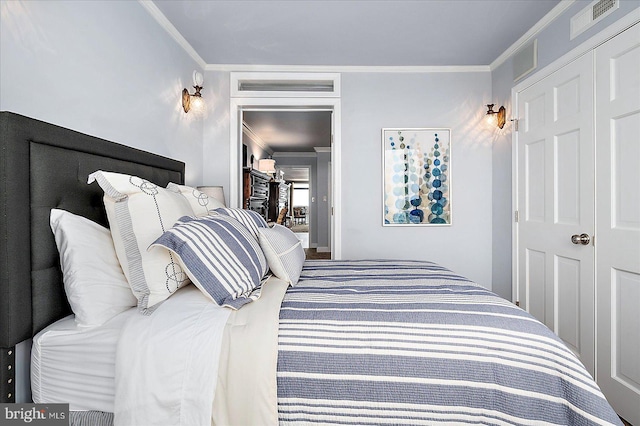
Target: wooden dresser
{"x": 278, "y": 199}
{"x": 255, "y": 191}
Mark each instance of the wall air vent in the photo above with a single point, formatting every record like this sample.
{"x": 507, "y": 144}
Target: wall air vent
{"x": 267, "y": 84}
{"x": 591, "y": 14}
{"x": 285, "y": 86}
{"x": 525, "y": 60}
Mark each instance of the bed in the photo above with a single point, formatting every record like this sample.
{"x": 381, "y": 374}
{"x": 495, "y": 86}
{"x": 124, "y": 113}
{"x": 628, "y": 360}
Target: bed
{"x": 32, "y": 182}
{"x": 353, "y": 342}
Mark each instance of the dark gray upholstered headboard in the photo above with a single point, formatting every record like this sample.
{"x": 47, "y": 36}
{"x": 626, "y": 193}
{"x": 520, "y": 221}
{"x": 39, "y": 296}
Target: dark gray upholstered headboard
{"x": 43, "y": 166}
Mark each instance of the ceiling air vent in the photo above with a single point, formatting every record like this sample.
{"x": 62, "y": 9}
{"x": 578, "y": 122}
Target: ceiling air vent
{"x": 591, "y": 14}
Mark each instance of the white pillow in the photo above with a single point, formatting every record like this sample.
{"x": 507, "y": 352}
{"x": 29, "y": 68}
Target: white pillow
{"x": 283, "y": 251}
{"x": 200, "y": 202}
{"x": 139, "y": 212}
{"x": 96, "y": 288}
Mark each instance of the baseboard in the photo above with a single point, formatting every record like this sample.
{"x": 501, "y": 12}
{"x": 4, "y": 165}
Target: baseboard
{"x": 323, "y": 249}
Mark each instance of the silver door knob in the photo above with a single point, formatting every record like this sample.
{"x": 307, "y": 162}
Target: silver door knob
{"x": 583, "y": 239}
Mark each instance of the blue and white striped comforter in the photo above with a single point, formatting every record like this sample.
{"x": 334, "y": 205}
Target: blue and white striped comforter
{"x": 388, "y": 342}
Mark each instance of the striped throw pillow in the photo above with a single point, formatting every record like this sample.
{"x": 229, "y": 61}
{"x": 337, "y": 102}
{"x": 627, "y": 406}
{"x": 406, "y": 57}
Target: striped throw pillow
{"x": 220, "y": 256}
{"x": 250, "y": 219}
{"x": 283, "y": 251}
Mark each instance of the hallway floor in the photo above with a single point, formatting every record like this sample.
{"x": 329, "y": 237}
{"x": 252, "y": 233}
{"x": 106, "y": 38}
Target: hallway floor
{"x": 313, "y": 254}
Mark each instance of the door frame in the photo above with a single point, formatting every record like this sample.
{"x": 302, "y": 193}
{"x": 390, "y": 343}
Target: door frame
{"x": 312, "y": 218}
{"x": 601, "y": 37}
{"x": 240, "y": 104}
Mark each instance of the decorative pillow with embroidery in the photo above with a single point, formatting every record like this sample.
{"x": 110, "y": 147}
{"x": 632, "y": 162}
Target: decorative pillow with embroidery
{"x": 200, "y": 202}
{"x": 139, "y": 212}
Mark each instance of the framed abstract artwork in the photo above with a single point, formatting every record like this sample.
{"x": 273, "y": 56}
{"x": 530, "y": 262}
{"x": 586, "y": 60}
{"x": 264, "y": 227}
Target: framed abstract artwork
{"x": 416, "y": 177}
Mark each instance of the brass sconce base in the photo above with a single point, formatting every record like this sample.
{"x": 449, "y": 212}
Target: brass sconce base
{"x": 186, "y": 100}
{"x": 501, "y": 117}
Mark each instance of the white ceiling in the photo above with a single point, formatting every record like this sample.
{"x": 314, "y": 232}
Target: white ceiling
{"x": 346, "y": 33}
{"x": 353, "y": 32}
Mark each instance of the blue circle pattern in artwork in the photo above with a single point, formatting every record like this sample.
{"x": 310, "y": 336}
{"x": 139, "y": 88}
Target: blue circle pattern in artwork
{"x": 437, "y": 199}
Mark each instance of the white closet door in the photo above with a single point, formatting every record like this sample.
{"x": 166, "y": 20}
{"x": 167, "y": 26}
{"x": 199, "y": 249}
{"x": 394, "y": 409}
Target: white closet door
{"x": 618, "y": 217}
{"x": 555, "y": 201}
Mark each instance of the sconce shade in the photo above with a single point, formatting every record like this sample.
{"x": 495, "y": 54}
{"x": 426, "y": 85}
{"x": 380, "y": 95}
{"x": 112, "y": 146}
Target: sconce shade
{"x": 216, "y": 192}
{"x": 267, "y": 166}
{"x": 197, "y": 103}
{"x": 198, "y": 79}
{"x": 500, "y": 115}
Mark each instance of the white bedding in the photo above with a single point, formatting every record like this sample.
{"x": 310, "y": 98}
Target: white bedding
{"x": 167, "y": 362}
{"x": 163, "y": 369}
{"x": 76, "y": 365}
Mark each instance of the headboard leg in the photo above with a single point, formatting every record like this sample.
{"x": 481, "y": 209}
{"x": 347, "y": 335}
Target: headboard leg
{"x": 8, "y": 375}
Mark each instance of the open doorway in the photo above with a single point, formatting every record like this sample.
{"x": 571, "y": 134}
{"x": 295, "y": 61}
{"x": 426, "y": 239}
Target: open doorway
{"x": 300, "y": 184}
{"x": 242, "y": 103}
{"x": 297, "y": 143}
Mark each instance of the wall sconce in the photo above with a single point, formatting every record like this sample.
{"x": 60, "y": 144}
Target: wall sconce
{"x": 194, "y": 101}
{"x": 496, "y": 116}
{"x": 267, "y": 166}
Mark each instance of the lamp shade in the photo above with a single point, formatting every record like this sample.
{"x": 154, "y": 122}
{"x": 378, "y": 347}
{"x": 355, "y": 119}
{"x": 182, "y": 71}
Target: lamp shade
{"x": 216, "y": 192}
{"x": 267, "y": 166}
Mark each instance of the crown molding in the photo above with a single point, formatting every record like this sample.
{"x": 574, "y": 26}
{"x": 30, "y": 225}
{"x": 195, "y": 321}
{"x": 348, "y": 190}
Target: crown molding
{"x": 173, "y": 31}
{"x": 345, "y": 68}
{"x": 533, "y": 31}
{"x": 255, "y": 138}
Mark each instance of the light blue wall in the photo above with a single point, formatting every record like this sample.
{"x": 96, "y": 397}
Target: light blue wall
{"x": 553, "y": 43}
{"x": 216, "y": 152}
{"x": 105, "y": 68}
{"x": 372, "y": 101}
{"x": 502, "y": 218}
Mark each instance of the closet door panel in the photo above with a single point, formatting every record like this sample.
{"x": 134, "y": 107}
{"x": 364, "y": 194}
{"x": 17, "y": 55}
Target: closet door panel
{"x": 626, "y": 180}
{"x": 555, "y": 146}
{"x": 618, "y": 221}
